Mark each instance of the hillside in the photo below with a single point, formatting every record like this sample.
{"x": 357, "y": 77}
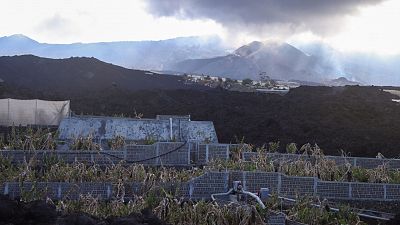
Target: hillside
{"x": 341, "y": 81}
{"x": 154, "y": 55}
{"x": 79, "y": 75}
{"x": 278, "y": 60}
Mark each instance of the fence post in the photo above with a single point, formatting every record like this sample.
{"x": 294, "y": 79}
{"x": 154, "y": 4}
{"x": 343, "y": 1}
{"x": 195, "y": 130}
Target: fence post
{"x": 170, "y": 129}
{"x": 125, "y": 151}
{"x": 188, "y": 153}
{"x": 6, "y": 191}
{"x": 197, "y": 151}
{"x": 158, "y": 153}
{"x": 244, "y": 178}
{"x": 108, "y": 191}
{"x": 279, "y": 183}
{"x": 226, "y": 185}
{"x": 315, "y": 186}
{"x": 350, "y": 191}
{"x": 191, "y": 189}
{"x": 207, "y": 149}
{"x": 36, "y": 101}
{"x": 8, "y": 114}
{"x": 384, "y": 192}
{"x": 227, "y": 152}
{"x": 59, "y": 191}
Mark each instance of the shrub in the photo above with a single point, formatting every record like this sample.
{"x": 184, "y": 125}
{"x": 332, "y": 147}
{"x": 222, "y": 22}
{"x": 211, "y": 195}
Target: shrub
{"x": 116, "y": 143}
{"x": 291, "y": 148}
{"x": 273, "y": 146}
{"x": 247, "y": 81}
{"x": 85, "y": 143}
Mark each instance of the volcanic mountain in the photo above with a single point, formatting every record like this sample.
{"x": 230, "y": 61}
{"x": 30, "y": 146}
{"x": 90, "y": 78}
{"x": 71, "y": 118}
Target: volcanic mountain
{"x": 147, "y": 55}
{"x": 277, "y": 60}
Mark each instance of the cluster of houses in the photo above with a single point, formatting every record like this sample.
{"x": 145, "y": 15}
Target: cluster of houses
{"x": 265, "y": 84}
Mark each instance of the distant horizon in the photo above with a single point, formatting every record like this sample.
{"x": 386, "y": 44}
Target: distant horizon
{"x": 350, "y": 26}
{"x": 313, "y": 57}
{"x": 231, "y": 47}
{"x": 68, "y": 43}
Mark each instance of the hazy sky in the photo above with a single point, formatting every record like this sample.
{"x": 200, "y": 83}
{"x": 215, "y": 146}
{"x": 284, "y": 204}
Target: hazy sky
{"x": 349, "y": 25}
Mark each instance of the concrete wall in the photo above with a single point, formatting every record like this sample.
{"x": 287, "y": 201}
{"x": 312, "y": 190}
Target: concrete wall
{"x": 354, "y": 161}
{"x": 137, "y": 129}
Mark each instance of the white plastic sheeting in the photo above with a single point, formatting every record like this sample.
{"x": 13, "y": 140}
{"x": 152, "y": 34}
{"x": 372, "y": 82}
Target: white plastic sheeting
{"x": 32, "y": 112}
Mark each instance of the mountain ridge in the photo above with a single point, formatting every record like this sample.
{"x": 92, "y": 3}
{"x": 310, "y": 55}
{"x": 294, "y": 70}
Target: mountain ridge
{"x": 314, "y": 62}
{"x": 79, "y": 75}
{"x": 155, "y": 55}
{"x": 278, "y": 60}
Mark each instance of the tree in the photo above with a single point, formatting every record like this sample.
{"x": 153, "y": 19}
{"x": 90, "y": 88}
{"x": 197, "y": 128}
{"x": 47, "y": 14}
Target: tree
{"x": 247, "y": 81}
{"x": 264, "y": 77}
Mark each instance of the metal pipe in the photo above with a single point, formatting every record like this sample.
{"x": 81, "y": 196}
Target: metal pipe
{"x": 337, "y": 210}
{"x": 170, "y": 129}
{"x": 221, "y": 194}
{"x": 256, "y": 197}
{"x": 231, "y": 191}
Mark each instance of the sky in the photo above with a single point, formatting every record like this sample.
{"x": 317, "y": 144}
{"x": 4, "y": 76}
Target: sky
{"x": 347, "y": 25}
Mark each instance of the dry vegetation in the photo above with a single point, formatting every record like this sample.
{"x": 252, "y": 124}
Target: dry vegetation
{"x": 317, "y": 165}
{"x": 166, "y": 205}
{"x": 29, "y": 139}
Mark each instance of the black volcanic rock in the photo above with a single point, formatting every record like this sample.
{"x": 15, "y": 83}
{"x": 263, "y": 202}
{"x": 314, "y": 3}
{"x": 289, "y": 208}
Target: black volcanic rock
{"x": 38, "y": 212}
{"x": 357, "y": 119}
{"x": 77, "y": 219}
{"x": 8, "y": 209}
{"x": 79, "y": 75}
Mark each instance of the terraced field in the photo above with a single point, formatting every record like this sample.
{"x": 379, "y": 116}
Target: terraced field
{"x": 315, "y": 184}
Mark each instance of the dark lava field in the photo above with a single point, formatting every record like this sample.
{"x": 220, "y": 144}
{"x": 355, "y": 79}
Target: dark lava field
{"x": 362, "y": 121}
